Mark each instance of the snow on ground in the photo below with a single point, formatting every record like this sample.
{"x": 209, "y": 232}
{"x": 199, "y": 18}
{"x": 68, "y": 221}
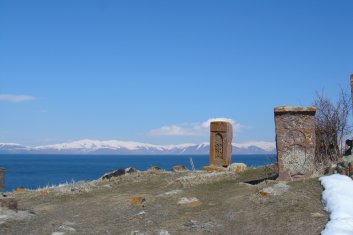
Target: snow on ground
{"x": 338, "y": 200}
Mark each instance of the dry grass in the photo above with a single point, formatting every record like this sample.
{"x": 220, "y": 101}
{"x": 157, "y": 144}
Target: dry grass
{"x": 226, "y": 206}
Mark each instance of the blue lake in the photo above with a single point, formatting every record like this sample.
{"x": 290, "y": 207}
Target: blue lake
{"x": 33, "y": 171}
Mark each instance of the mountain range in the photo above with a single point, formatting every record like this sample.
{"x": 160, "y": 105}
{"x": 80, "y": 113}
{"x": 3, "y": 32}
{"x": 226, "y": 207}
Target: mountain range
{"x": 130, "y": 147}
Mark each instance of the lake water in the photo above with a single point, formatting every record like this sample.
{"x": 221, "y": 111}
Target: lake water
{"x": 33, "y": 171}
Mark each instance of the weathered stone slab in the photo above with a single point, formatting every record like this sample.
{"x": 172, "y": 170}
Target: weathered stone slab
{"x": 221, "y": 135}
{"x": 2, "y": 179}
{"x": 295, "y": 139}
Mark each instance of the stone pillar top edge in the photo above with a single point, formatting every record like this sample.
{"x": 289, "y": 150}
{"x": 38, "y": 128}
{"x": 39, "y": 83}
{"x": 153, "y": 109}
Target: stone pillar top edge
{"x": 351, "y": 76}
{"x": 225, "y": 122}
{"x": 285, "y": 109}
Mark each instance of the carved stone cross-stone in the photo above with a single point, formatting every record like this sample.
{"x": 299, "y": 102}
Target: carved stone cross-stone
{"x": 295, "y": 140}
{"x": 221, "y": 135}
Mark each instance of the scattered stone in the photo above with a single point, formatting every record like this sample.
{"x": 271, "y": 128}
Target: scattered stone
{"x": 190, "y": 224}
{"x": 189, "y": 202}
{"x": 263, "y": 193}
{"x": 67, "y": 228}
{"x": 163, "y": 232}
{"x": 170, "y": 193}
{"x": 221, "y": 135}
{"x": 197, "y": 226}
{"x": 8, "y": 202}
{"x": 295, "y": 138}
{"x": 154, "y": 168}
{"x": 136, "y": 201}
{"x": 116, "y": 173}
{"x": 20, "y": 190}
{"x": 237, "y": 167}
{"x": 317, "y": 215}
{"x": 343, "y": 168}
{"x": 141, "y": 213}
{"x": 137, "y": 233}
{"x": 277, "y": 189}
{"x": 130, "y": 170}
{"x": 213, "y": 168}
{"x": 179, "y": 168}
{"x": 57, "y": 233}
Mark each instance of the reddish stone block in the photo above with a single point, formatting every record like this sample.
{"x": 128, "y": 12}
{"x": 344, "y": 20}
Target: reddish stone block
{"x": 221, "y": 135}
{"x": 295, "y": 139}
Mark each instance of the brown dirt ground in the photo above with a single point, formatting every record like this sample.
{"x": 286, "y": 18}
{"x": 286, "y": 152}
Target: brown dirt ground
{"x": 227, "y": 206}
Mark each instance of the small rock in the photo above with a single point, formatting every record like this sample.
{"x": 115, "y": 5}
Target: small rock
{"x": 66, "y": 228}
{"x": 262, "y": 193}
{"x": 137, "y": 233}
{"x": 116, "y": 173}
{"x": 57, "y": 233}
{"x": 136, "y": 201}
{"x": 20, "y": 190}
{"x": 130, "y": 170}
{"x": 213, "y": 168}
{"x": 170, "y": 193}
{"x": 190, "y": 224}
{"x": 317, "y": 215}
{"x": 154, "y": 168}
{"x": 163, "y": 232}
{"x": 189, "y": 202}
{"x": 179, "y": 168}
{"x": 237, "y": 167}
{"x": 277, "y": 189}
{"x": 141, "y": 213}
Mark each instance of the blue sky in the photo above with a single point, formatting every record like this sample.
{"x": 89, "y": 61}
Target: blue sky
{"x": 156, "y": 71}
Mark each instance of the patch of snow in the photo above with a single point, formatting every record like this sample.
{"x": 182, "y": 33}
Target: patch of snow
{"x": 87, "y": 146}
{"x": 338, "y": 201}
{"x": 202, "y": 145}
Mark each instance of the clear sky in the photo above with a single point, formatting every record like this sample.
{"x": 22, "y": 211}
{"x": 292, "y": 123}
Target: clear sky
{"x": 155, "y": 71}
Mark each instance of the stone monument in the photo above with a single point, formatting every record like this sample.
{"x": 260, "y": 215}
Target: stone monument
{"x": 295, "y": 140}
{"x": 221, "y": 135}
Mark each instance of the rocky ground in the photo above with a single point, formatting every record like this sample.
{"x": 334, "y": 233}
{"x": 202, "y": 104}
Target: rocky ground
{"x": 162, "y": 202}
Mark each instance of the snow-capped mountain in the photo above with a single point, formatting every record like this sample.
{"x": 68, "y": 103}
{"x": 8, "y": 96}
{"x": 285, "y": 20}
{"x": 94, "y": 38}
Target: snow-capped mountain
{"x": 130, "y": 147}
